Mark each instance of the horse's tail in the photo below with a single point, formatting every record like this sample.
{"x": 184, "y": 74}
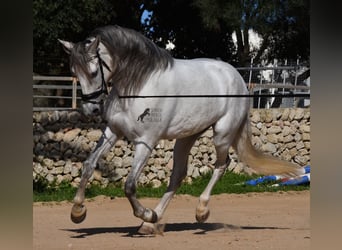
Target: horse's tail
{"x": 261, "y": 163}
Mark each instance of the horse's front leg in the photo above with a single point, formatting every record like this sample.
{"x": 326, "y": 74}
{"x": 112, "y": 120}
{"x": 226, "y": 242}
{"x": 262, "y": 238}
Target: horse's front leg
{"x": 108, "y": 139}
{"x": 142, "y": 152}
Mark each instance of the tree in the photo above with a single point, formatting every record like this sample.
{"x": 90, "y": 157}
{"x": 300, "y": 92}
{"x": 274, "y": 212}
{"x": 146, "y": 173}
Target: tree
{"x": 180, "y": 22}
{"x": 283, "y": 25}
{"x": 198, "y": 28}
{"x": 293, "y": 40}
{"x": 74, "y": 20}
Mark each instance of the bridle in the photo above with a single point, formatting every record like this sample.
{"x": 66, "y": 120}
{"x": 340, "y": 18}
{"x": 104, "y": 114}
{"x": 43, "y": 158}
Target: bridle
{"x": 91, "y": 97}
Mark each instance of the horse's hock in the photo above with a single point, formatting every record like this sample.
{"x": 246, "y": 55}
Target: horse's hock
{"x": 63, "y": 140}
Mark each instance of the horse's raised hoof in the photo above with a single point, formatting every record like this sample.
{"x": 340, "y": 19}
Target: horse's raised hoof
{"x": 78, "y": 213}
{"x": 202, "y": 214}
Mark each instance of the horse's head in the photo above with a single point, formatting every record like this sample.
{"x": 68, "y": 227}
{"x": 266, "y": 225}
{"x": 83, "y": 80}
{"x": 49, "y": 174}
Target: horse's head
{"x": 89, "y": 62}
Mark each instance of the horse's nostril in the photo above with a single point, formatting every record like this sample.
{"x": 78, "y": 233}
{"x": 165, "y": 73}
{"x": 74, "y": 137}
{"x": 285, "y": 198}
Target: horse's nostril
{"x": 96, "y": 111}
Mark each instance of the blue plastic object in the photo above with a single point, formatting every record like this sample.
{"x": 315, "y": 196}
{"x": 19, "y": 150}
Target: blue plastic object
{"x": 302, "y": 179}
{"x": 297, "y": 181}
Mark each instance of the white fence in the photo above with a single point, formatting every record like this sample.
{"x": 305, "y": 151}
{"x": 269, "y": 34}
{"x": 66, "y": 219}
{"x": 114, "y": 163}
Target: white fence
{"x": 278, "y": 80}
{"x": 67, "y": 87}
{"x": 63, "y": 92}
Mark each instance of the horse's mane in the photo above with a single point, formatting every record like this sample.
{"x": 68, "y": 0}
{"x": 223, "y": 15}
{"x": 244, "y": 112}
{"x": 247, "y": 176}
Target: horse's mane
{"x": 134, "y": 56}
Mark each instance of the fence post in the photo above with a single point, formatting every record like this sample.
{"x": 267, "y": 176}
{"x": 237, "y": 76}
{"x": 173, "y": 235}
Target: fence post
{"x": 261, "y": 79}
{"x": 251, "y": 91}
{"x": 74, "y": 93}
{"x": 295, "y": 104}
{"x": 284, "y": 77}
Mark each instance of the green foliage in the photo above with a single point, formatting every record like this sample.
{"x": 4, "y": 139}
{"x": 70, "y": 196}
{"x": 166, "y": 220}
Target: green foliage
{"x": 181, "y": 23}
{"x": 229, "y": 183}
{"x": 283, "y": 25}
{"x": 44, "y": 191}
{"x": 198, "y": 28}
{"x": 73, "y": 20}
{"x": 233, "y": 183}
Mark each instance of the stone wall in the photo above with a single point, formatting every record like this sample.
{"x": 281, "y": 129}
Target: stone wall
{"x": 62, "y": 141}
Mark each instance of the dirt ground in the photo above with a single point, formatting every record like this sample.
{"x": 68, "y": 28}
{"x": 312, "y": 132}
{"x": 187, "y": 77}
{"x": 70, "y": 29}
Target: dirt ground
{"x": 237, "y": 221}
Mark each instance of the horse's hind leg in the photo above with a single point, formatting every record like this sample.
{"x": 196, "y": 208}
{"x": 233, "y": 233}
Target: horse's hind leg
{"x": 180, "y": 157}
{"x": 222, "y": 144}
{"x": 108, "y": 139}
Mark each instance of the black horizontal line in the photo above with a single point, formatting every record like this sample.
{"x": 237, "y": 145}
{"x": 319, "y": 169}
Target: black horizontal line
{"x": 214, "y": 96}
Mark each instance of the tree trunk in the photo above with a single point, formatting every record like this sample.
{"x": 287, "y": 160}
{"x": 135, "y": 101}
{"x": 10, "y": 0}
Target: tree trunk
{"x": 243, "y": 50}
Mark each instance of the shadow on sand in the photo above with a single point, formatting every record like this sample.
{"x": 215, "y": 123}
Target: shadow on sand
{"x": 199, "y": 228}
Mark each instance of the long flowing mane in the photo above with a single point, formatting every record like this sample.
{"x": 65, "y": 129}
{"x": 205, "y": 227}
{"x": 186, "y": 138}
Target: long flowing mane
{"x": 134, "y": 56}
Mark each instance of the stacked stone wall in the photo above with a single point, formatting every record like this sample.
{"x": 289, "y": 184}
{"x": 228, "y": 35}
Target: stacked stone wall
{"x": 63, "y": 140}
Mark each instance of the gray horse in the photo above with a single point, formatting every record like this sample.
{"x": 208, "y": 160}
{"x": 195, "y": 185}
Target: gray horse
{"x": 146, "y": 77}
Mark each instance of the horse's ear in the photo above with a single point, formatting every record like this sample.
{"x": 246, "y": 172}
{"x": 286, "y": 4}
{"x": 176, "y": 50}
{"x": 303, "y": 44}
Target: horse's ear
{"x": 67, "y": 46}
{"x": 93, "y": 45}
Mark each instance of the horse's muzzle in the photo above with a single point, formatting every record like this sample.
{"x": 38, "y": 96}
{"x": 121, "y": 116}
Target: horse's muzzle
{"x": 92, "y": 109}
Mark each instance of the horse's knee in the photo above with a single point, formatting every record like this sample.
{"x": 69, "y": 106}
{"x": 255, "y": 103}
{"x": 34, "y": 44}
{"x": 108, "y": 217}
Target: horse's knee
{"x": 130, "y": 188}
{"x": 87, "y": 170}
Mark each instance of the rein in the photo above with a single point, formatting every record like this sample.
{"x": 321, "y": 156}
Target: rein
{"x": 91, "y": 98}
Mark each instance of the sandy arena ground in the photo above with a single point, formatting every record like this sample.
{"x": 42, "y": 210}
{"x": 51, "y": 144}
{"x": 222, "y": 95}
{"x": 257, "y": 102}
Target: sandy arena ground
{"x": 237, "y": 221}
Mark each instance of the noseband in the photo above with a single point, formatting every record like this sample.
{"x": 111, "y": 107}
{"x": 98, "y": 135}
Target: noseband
{"x": 91, "y": 98}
